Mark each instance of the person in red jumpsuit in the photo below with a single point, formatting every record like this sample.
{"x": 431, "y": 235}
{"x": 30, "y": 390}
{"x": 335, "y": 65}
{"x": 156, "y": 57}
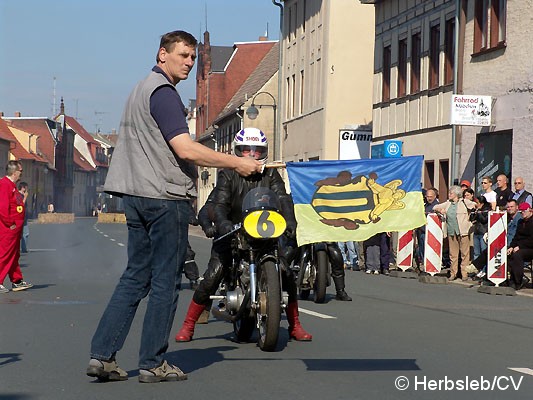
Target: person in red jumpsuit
{"x": 12, "y": 212}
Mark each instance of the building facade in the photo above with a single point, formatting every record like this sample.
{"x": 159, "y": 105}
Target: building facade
{"x": 414, "y": 79}
{"x": 497, "y": 50}
{"x": 326, "y": 75}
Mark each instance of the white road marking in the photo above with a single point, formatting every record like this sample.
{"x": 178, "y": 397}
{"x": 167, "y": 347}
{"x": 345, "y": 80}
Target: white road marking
{"x": 106, "y": 235}
{"x": 113, "y": 240}
{"x": 527, "y": 371}
{"x": 34, "y": 250}
{"x": 315, "y": 314}
{"x": 121, "y": 244}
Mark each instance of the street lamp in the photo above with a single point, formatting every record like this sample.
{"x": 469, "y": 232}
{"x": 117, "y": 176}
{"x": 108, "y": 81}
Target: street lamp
{"x": 252, "y": 112}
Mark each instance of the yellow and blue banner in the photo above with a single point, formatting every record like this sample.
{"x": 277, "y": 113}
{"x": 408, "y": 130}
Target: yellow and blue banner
{"x": 355, "y": 199}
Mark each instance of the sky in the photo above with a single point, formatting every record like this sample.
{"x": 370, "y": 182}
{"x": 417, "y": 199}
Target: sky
{"x": 93, "y": 52}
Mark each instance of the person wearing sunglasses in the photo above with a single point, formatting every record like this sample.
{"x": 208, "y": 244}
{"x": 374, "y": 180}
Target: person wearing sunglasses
{"x": 521, "y": 195}
{"x": 488, "y": 193}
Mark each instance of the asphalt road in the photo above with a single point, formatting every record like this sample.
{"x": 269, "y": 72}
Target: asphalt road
{"x": 439, "y": 339}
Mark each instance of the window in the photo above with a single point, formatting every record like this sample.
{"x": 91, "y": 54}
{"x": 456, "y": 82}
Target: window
{"x": 489, "y": 24}
{"x": 289, "y": 18}
{"x": 434, "y": 53}
{"x": 444, "y": 176}
{"x": 302, "y": 76}
{"x": 402, "y": 67}
{"x": 449, "y": 52}
{"x": 304, "y": 12}
{"x": 416, "y": 46}
{"x": 385, "y": 95}
{"x": 293, "y": 94}
{"x": 429, "y": 174}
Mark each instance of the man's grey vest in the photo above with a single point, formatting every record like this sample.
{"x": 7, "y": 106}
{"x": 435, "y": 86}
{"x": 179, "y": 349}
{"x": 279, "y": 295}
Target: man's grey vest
{"x": 143, "y": 163}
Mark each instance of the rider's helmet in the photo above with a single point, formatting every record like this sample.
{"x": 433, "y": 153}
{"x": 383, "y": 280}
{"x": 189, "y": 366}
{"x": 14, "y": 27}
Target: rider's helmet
{"x": 251, "y": 142}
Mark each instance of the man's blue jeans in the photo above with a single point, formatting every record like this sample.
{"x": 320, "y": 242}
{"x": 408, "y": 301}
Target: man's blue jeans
{"x": 157, "y": 243}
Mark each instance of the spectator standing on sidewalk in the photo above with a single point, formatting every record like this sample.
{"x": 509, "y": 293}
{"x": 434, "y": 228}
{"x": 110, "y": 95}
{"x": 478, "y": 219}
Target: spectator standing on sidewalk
{"x": 520, "y": 194}
{"x": 503, "y": 192}
{"x": 480, "y": 219}
{"x": 12, "y": 212}
{"x": 153, "y": 171}
{"x": 349, "y": 255}
{"x": 457, "y": 229}
{"x": 490, "y": 195}
{"x": 23, "y": 190}
{"x": 513, "y": 218}
{"x": 431, "y": 199}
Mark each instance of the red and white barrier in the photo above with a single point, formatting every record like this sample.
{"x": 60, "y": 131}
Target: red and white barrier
{"x": 404, "y": 258}
{"x": 497, "y": 247}
{"x": 433, "y": 245}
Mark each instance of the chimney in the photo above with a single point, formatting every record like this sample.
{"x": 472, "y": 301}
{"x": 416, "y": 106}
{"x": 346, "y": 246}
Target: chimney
{"x": 62, "y": 107}
{"x": 18, "y": 114}
{"x": 1, "y": 114}
{"x": 263, "y": 38}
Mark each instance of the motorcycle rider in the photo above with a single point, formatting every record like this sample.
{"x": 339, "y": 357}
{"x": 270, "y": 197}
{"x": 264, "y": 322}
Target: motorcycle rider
{"x": 337, "y": 267}
{"x": 225, "y": 209}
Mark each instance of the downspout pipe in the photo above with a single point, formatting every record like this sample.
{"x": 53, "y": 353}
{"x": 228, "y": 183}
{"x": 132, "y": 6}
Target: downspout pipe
{"x": 277, "y": 116}
{"x": 454, "y": 176}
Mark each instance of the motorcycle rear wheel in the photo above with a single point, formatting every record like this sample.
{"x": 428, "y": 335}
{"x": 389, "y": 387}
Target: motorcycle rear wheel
{"x": 321, "y": 281}
{"x": 269, "y": 301}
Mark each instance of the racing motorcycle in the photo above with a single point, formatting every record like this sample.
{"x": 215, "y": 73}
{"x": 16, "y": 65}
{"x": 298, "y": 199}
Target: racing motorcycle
{"x": 313, "y": 271}
{"x": 251, "y": 295}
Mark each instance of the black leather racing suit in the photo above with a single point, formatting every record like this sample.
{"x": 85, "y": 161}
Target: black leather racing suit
{"x": 224, "y": 208}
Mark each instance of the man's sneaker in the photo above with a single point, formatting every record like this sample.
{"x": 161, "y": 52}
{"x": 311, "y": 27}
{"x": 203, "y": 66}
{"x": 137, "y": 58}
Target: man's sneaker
{"x": 3, "y": 289}
{"x": 106, "y": 370}
{"x": 22, "y": 285}
{"x": 165, "y": 372}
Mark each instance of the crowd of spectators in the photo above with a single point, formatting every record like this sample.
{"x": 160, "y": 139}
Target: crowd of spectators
{"x": 465, "y": 230}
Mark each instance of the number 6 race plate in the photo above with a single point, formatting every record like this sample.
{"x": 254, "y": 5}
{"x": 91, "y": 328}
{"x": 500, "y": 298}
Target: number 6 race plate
{"x": 264, "y": 224}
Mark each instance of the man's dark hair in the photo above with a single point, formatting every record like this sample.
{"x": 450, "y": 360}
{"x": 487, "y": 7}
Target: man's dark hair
{"x": 169, "y": 40}
{"x": 22, "y": 185}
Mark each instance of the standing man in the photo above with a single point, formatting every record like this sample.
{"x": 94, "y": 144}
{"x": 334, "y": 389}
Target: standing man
{"x": 12, "y": 211}
{"x": 431, "y": 200}
{"x": 503, "y": 192}
{"x": 153, "y": 171}
{"x": 488, "y": 193}
{"x": 520, "y": 194}
{"x": 23, "y": 190}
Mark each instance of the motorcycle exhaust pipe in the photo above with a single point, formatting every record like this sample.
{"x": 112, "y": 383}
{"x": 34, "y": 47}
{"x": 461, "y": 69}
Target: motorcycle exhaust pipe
{"x": 223, "y": 315}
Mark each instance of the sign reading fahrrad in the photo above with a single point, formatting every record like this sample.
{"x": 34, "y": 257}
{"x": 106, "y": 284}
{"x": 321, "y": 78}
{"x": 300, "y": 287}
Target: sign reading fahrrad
{"x": 471, "y": 110}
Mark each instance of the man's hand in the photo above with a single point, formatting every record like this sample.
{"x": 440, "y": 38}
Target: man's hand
{"x": 247, "y": 166}
{"x": 209, "y": 231}
{"x": 225, "y": 227}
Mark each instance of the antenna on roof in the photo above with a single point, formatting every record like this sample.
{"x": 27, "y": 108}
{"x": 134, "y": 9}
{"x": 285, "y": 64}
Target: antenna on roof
{"x": 206, "y": 15}
{"x": 266, "y": 32}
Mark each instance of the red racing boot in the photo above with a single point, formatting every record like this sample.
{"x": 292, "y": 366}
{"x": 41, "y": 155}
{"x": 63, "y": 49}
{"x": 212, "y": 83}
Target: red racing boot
{"x": 187, "y": 330}
{"x": 296, "y": 331}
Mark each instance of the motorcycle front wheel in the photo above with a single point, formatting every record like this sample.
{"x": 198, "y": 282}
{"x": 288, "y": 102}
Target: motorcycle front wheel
{"x": 269, "y": 306}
